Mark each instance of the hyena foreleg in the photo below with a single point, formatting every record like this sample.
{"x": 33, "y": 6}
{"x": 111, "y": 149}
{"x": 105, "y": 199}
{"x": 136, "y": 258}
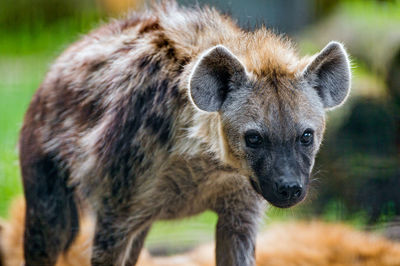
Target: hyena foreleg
{"x": 136, "y": 247}
{"x": 236, "y": 230}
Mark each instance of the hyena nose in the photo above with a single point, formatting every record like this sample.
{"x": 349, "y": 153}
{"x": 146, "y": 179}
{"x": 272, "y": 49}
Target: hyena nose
{"x": 288, "y": 190}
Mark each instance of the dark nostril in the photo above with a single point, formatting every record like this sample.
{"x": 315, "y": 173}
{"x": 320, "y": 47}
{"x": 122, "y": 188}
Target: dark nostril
{"x": 289, "y": 191}
{"x": 296, "y": 190}
{"x": 297, "y": 193}
{"x": 284, "y": 193}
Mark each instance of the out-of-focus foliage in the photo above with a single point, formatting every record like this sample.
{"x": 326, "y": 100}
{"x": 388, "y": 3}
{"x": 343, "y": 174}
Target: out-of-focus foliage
{"x": 20, "y": 14}
{"x": 359, "y": 161}
{"x": 40, "y": 27}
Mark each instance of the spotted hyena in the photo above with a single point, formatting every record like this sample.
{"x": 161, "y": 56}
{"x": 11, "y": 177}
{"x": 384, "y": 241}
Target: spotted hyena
{"x": 166, "y": 114}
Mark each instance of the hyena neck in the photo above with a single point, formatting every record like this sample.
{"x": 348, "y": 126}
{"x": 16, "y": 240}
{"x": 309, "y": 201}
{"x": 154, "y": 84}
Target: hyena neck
{"x": 203, "y": 136}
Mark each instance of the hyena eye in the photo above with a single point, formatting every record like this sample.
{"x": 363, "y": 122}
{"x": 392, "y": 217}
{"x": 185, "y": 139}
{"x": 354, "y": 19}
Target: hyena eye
{"x": 253, "y": 139}
{"x": 307, "y": 137}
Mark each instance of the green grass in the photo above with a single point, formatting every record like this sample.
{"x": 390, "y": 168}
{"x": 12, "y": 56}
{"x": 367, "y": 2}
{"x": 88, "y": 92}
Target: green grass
{"x": 19, "y": 77}
{"x": 171, "y": 236}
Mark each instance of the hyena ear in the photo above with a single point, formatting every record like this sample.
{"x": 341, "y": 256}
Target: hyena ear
{"x": 215, "y": 74}
{"x": 329, "y": 73}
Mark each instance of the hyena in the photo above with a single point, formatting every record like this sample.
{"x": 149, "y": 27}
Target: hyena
{"x": 166, "y": 114}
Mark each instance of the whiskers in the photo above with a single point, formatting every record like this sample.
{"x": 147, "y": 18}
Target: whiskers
{"x": 313, "y": 186}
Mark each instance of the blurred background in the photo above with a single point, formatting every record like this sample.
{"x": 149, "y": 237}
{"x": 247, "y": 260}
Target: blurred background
{"x": 357, "y": 174}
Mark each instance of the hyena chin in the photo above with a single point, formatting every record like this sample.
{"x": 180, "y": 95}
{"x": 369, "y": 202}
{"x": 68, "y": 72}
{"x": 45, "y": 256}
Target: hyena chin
{"x": 166, "y": 114}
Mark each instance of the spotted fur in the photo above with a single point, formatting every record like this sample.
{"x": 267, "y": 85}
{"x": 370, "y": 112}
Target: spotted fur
{"x": 117, "y": 124}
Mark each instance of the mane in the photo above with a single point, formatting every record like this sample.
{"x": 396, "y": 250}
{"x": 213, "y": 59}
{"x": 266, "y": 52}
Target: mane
{"x": 194, "y": 30}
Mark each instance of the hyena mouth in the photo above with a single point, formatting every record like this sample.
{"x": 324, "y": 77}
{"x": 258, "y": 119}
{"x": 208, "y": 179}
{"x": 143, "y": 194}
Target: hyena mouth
{"x": 271, "y": 195}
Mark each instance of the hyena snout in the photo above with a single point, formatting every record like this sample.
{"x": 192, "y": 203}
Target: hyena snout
{"x": 283, "y": 192}
{"x": 290, "y": 191}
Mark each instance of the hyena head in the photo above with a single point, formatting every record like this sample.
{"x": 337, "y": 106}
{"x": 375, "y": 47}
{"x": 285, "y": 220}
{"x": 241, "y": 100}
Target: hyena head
{"x": 272, "y": 123}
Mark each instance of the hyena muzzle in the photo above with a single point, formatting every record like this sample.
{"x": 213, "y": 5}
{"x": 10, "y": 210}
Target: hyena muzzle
{"x": 166, "y": 114}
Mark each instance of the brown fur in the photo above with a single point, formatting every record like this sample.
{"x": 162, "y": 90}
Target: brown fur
{"x": 117, "y": 124}
{"x": 291, "y": 244}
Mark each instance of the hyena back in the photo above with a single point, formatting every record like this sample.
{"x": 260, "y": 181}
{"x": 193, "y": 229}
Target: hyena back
{"x": 166, "y": 114}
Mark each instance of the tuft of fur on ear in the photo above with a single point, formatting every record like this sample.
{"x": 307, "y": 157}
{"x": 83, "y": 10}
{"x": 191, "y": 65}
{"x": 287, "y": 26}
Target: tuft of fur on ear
{"x": 330, "y": 74}
{"x": 215, "y": 74}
